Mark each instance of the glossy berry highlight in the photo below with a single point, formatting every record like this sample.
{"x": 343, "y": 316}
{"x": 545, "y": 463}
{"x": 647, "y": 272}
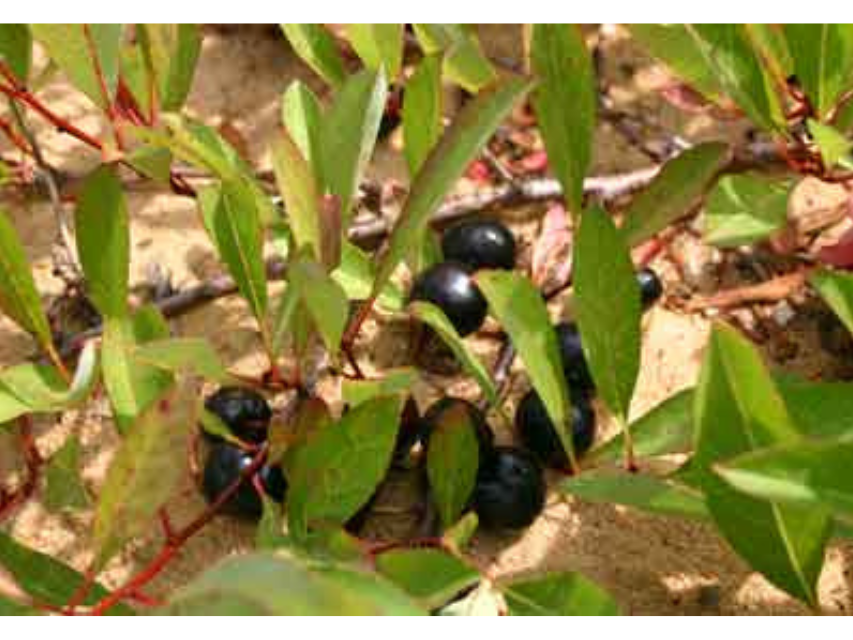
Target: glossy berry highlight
{"x": 449, "y": 286}
{"x": 510, "y": 489}
{"x": 480, "y": 244}
{"x": 537, "y": 433}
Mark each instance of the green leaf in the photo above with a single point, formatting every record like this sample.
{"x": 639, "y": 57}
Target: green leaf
{"x": 562, "y": 63}
{"x": 16, "y": 49}
{"x": 356, "y": 273}
{"x": 675, "y": 190}
{"x": 150, "y": 464}
{"x": 453, "y": 458}
{"x": 457, "y": 537}
{"x": 348, "y": 135}
{"x": 558, "y": 594}
{"x": 18, "y": 296}
{"x": 132, "y": 386}
{"x": 103, "y": 241}
{"x": 302, "y": 115}
{"x": 11, "y": 608}
{"x": 738, "y": 410}
{"x": 834, "y": 145}
{"x": 422, "y": 111}
{"x": 180, "y": 355}
{"x": 317, "y": 48}
{"x": 521, "y": 311}
{"x": 665, "y": 429}
{"x": 819, "y": 409}
{"x": 446, "y": 163}
{"x": 608, "y": 309}
{"x": 339, "y": 467}
{"x": 770, "y": 44}
{"x": 464, "y": 61}
{"x": 302, "y": 202}
{"x": 395, "y": 381}
{"x": 435, "y": 318}
{"x": 324, "y": 299}
{"x": 743, "y": 209}
{"x": 64, "y": 487}
{"x": 279, "y": 584}
{"x": 135, "y": 74}
{"x": 46, "y": 579}
{"x": 87, "y": 53}
{"x": 234, "y": 223}
{"x": 378, "y": 46}
{"x": 823, "y": 61}
{"x": 36, "y": 388}
{"x": 640, "y": 491}
{"x": 154, "y": 162}
{"x": 431, "y": 576}
{"x": 171, "y": 52}
{"x": 837, "y": 291}
{"x": 269, "y": 535}
{"x": 810, "y": 474}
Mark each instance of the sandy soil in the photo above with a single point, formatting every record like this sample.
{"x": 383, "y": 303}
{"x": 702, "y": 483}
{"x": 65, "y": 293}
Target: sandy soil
{"x": 653, "y": 565}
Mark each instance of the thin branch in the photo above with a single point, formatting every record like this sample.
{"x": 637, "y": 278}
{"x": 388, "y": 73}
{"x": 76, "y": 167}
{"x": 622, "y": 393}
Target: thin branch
{"x": 10, "y": 501}
{"x": 769, "y": 291}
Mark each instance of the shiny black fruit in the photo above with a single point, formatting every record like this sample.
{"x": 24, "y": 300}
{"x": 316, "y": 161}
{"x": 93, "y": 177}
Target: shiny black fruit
{"x": 575, "y": 366}
{"x": 510, "y": 489}
{"x": 224, "y": 465}
{"x": 538, "y": 434}
{"x": 651, "y": 288}
{"x": 439, "y": 411}
{"x": 481, "y": 244}
{"x": 244, "y": 411}
{"x": 449, "y": 286}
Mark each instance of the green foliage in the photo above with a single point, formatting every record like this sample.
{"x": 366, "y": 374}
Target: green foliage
{"x": 823, "y": 60}
{"x": 380, "y": 46}
{"x": 464, "y": 61}
{"x": 317, "y": 48}
{"x": 422, "y": 107}
{"x": 431, "y": 576}
{"x": 171, "y": 53}
{"x": 64, "y": 490}
{"x": 744, "y": 209}
{"x": 16, "y": 49}
{"x": 558, "y": 594}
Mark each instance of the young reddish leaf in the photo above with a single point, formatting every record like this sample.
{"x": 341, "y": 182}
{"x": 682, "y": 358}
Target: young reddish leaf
{"x": 432, "y": 576}
{"x": 445, "y": 164}
{"x": 839, "y": 254}
{"x": 18, "y": 296}
{"x": 679, "y": 186}
{"x": 317, "y": 48}
{"x": 348, "y": 135}
{"x": 337, "y": 470}
{"x": 452, "y": 462}
{"x": 87, "y": 53}
{"x": 146, "y": 470}
{"x": 435, "y": 318}
{"x": 46, "y": 579}
{"x": 132, "y": 385}
{"x": 558, "y": 594}
{"x": 422, "y": 111}
{"x": 378, "y": 46}
{"x": 171, "y": 52}
{"x": 552, "y": 252}
{"x": 563, "y": 66}
{"x": 103, "y": 241}
{"x": 608, "y": 309}
{"x": 521, "y": 311}
{"x": 16, "y": 49}
{"x": 233, "y": 221}
{"x": 738, "y": 410}
{"x": 302, "y": 115}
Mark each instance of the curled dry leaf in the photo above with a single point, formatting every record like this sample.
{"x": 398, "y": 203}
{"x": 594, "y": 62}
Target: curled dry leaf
{"x": 688, "y": 100}
{"x": 552, "y": 252}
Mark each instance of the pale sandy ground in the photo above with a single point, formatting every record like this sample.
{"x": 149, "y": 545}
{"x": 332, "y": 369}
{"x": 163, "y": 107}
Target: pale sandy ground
{"x": 652, "y": 565}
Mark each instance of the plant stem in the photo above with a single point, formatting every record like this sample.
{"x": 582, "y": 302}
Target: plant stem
{"x": 34, "y": 462}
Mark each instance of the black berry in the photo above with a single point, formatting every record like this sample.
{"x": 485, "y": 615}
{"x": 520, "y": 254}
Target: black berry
{"x": 481, "y": 244}
{"x": 225, "y": 463}
{"x": 651, "y": 288}
{"x": 575, "y": 366}
{"x": 449, "y": 286}
{"x": 244, "y": 411}
{"x": 510, "y": 489}
{"x": 440, "y": 409}
{"x": 537, "y": 432}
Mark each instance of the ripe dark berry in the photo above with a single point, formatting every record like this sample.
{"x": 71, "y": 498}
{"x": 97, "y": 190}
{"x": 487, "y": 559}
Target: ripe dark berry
{"x": 481, "y": 244}
{"x": 537, "y": 432}
{"x": 224, "y": 465}
{"x": 575, "y": 366}
{"x": 439, "y": 410}
{"x": 651, "y": 288}
{"x": 449, "y": 286}
{"x": 244, "y": 411}
{"x": 510, "y": 489}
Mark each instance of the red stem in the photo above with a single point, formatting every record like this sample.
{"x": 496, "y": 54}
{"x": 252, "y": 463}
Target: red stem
{"x": 14, "y": 137}
{"x": 34, "y": 462}
{"x": 174, "y": 542}
{"x": 102, "y": 84}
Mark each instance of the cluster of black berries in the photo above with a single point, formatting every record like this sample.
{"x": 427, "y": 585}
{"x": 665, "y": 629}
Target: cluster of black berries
{"x": 510, "y": 489}
{"x": 247, "y": 415}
